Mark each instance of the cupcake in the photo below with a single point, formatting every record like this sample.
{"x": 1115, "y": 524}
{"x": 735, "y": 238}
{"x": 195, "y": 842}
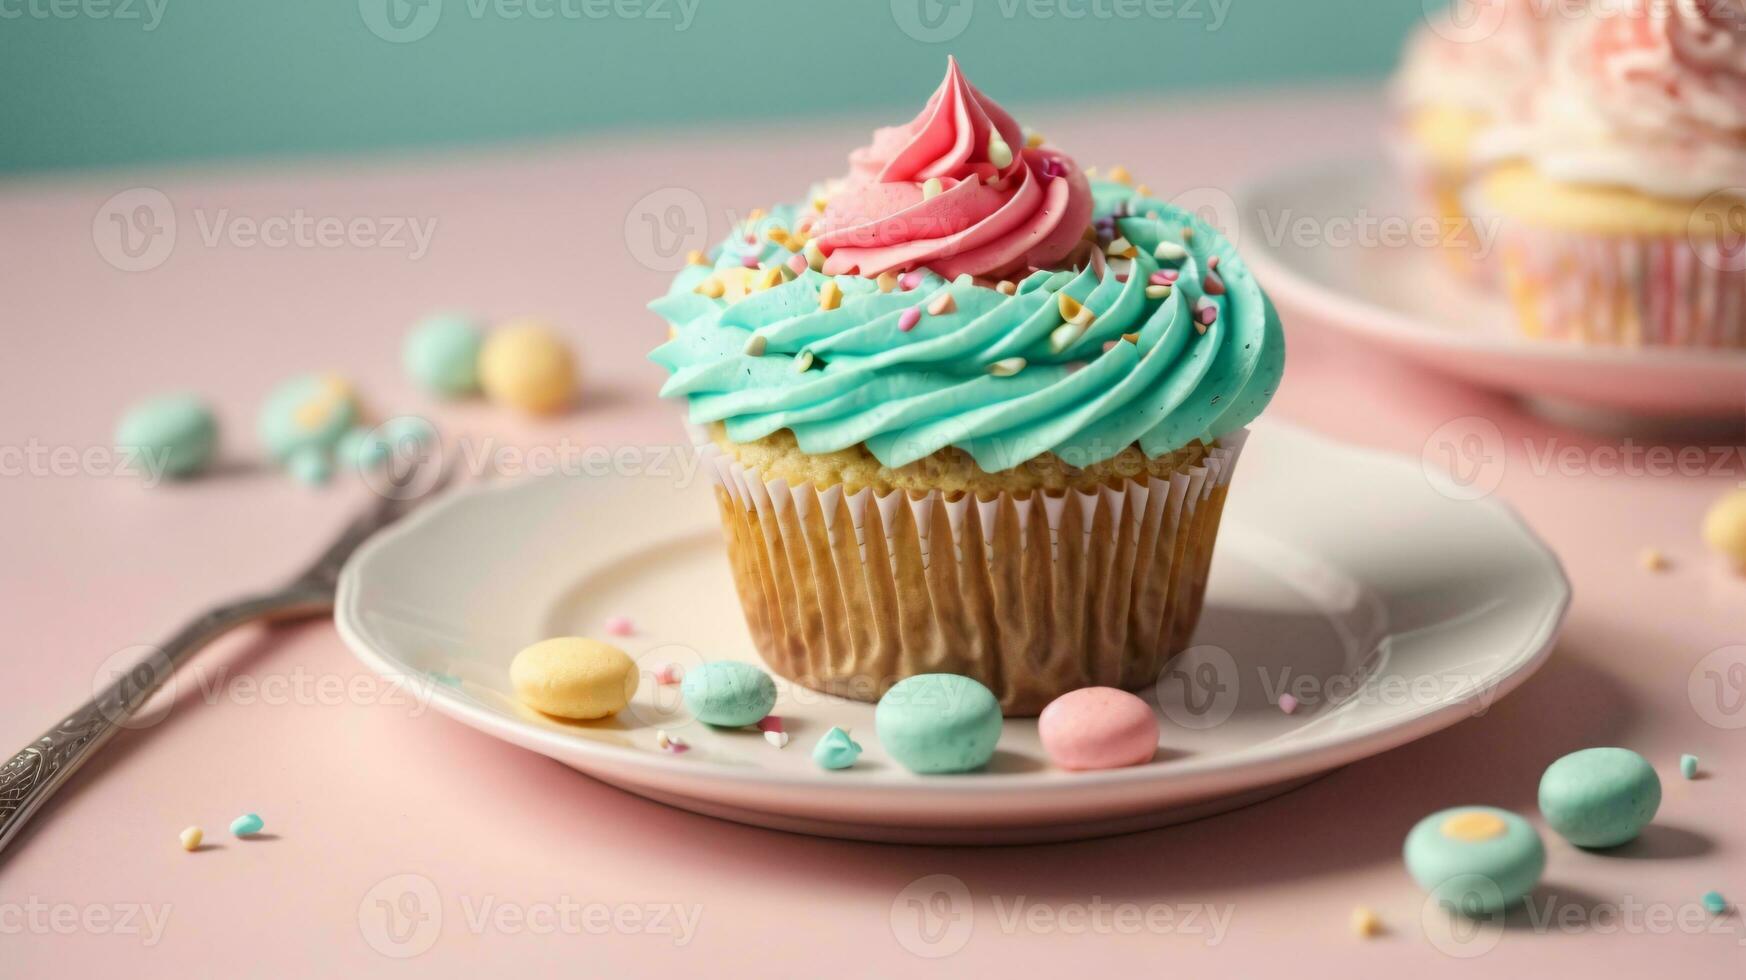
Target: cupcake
{"x": 1621, "y": 197}
{"x": 970, "y": 412}
{"x": 1464, "y": 70}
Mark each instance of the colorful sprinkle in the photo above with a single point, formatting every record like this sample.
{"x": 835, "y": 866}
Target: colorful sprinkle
{"x": 1143, "y": 190}
{"x": 1365, "y": 923}
{"x": 1132, "y": 338}
{"x": 907, "y": 320}
{"x": 887, "y": 281}
{"x": 749, "y": 260}
{"x": 1073, "y": 311}
{"x": 670, "y": 743}
{"x": 756, "y": 345}
{"x": 770, "y": 278}
{"x": 815, "y": 257}
{"x": 932, "y": 187}
{"x": 247, "y": 825}
{"x": 942, "y": 304}
{"x": 1652, "y": 560}
{"x": 1213, "y": 285}
{"x": 1157, "y": 292}
{"x": 620, "y": 626}
{"x": 191, "y": 838}
{"x": 1121, "y": 248}
{"x": 778, "y": 739}
{"x": 999, "y": 153}
{"x": 696, "y": 257}
{"x": 1688, "y": 765}
{"x": 803, "y": 362}
{"x": 1006, "y": 367}
{"x": 1065, "y": 336}
{"x": 1206, "y": 313}
{"x": 778, "y": 234}
{"x": 1168, "y": 251}
{"x": 1120, "y": 175}
{"x": 1033, "y": 139}
{"x": 910, "y": 280}
{"x": 1006, "y": 287}
{"x": 1714, "y": 903}
{"x": 798, "y": 263}
{"x": 836, "y": 750}
{"x": 711, "y": 288}
{"x": 830, "y": 295}
{"x": 1288, "y": 704}
{"x": 670, "y": 674}
{"x": 770, "y": 723}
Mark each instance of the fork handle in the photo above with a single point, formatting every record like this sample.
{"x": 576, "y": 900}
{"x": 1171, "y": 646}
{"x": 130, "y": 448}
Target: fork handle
{"x": 28, "y": 779}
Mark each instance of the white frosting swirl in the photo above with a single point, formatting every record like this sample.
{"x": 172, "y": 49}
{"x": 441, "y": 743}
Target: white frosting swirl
{"x": 1646, "y": 94}
{"x": 1483, "y": 55}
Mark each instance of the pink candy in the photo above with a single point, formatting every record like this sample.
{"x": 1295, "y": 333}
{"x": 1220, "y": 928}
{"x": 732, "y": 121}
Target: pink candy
{"x": 1287, "y": 704}
{"x": 669, "y": 674}
{"x": 909, "y": 280}
{"x": 907, "y": 320}
{"x": 1098, "y": 728}
{"x": 619, "y": 626}
{"x": 797, "y": 263}
{"x": 770, "y": 723}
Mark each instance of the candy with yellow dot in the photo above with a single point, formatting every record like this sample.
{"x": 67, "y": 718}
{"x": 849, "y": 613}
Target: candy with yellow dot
{"x": 1725, "y": 528}
{"x": 1475, "y": 860}
{"x": 574, "y": 677}
{"x": 525, "y": 365}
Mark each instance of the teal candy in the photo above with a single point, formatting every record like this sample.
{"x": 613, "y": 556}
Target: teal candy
{"x": 1475, "y": 877}
{"x": 248, "y": 823}
{"x": 310, "y": 467}
{"x": 1688, "y": 766}
{"x": 836, "y": 750}
{"x": 1600, "y": 797}
{"x": 281, "y": 428}
{"x": 937, "y": 723}
{"x": 362, "y": 449}
{"x": 728, "y": 694}
{"x": 1714, "y": 903}
{"x": 170, "y": 435}
{"x": 441, "y": 354}
{"x": 907, "y": 394}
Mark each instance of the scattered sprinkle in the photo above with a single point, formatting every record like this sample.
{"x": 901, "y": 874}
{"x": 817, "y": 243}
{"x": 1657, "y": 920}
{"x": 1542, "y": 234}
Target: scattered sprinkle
{"x": 932, "y": 187}
{"x": 1157, "y": 292}
{"x": 999, "y": 153}
{"x": 191, "y": 838}
{"x": 770, "y": 723}
{"x": 1121, "y": 248}
{"x": 1365, "y": 923}
{"x": 1212, "y": 283}
{"x": 1188, "y": 234}
{"x": 803, "y": 362}
{"x": 798, "y": 263}
{"x": 907, "y": 320}
{"x": 1132, "y": 338}
{"x": 1065, "y": 336}
{"x": 1006, "y": 287}
{"x": 749, "y": 260}
{"x": 1206, "y": 313}
{"x": 910, "y": 280}
{"x": 1033, "y": 139}
{"x": 1006, "y": 367}
{"x": 778, "y": 739}
{"x": 942, "y": 304}
{"x": 1714, "y": 903}
{"x": 830, "y": 295}
{"x": 887, "y": 281}
{"x": 711, "y": 288}
{"x": 620, "y": 626}
{"x": 815, "y": 257}
{"x": 770, "y": 278}
{"x": 820, "y": 203}
{"x": 1143, "y": 190}
{"x": 754, "y": 215}
{"x": 247, "y": 825}
{"x": 1688, "y": 765}
{"x": 836, "y": 750}
{"x": 669, "y": 675}
{"x": 670, "y": 743}
{"x": 1288, "y": 704}
{"x": 696, "y": 257}
{"x": 756, "y": 345}
{"x": 1169, "y": 251}
{"x": 778, "y": 234}
{"x": 1073, "y": 311}
{"x": 1120, "y": 175}
{"x": 1652, "y": 560}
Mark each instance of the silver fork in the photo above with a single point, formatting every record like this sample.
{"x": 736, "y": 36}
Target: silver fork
{"x": 29, "y": 778}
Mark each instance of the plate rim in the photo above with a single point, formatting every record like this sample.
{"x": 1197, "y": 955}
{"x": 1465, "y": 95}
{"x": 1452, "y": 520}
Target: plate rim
{"x": 1349, "y": 314}
{"x": 1242, "y": 768}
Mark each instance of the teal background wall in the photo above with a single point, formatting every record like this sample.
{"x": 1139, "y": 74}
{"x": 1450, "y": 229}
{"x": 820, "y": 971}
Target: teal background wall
{"x": 106, "y": 82}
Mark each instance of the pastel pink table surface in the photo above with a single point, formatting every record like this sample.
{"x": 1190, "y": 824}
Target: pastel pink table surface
{"x": 526, "y": 868}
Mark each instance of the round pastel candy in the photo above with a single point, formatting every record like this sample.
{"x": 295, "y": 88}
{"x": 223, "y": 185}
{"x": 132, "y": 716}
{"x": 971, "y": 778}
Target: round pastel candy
{"x": 1098, "y": 728}
{"x": 574, "y": 677}
{"x": 1600, "y": 797}
{"x": 442, "y": 354}
{"x": 934, "y": 723}
{"x": 170, "y": 435}
{"x": 310, "y": 412}
{"x": 1725, "y": 528}
{"x": 1475, "y": 860}
{"x": 526, "y": 366}
{"x": 728, "y": 693}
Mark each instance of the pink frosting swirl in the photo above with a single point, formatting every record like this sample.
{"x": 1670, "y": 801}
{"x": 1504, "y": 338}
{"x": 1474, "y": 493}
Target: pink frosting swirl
{"x": 1670, "y": 66}
{"x": 999, "y": 209}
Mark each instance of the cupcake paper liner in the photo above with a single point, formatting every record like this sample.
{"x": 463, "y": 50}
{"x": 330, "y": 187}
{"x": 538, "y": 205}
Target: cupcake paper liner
{"x": 1032, "y": 594}
{"x": 1623, "y": 291}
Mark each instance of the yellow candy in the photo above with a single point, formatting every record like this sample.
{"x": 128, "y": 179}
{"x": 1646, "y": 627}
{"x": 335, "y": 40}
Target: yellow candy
{"x": 526, "y": 366}
{"x": 1365, "y": 922}
{"x": 191, "y": 838}
{"x": 1120, "y": 175}
{"x": 574, "y": 677}
{"x": 1725, "y": 528}
{"x": 830, "y": 296}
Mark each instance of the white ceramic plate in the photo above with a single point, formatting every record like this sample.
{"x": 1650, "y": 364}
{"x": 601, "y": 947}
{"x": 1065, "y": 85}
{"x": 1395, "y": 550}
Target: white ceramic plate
{"x": 1342, "y": 575}
{"x": 1295, "y": 237}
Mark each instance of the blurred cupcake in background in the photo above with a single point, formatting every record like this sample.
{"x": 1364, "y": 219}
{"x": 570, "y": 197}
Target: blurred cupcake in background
{"x": 1620, "y": 196}
{"x": 1467, "y": 68}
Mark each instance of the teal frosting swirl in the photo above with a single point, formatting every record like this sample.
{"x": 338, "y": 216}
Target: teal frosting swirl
{"x": 907, "y": 394}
